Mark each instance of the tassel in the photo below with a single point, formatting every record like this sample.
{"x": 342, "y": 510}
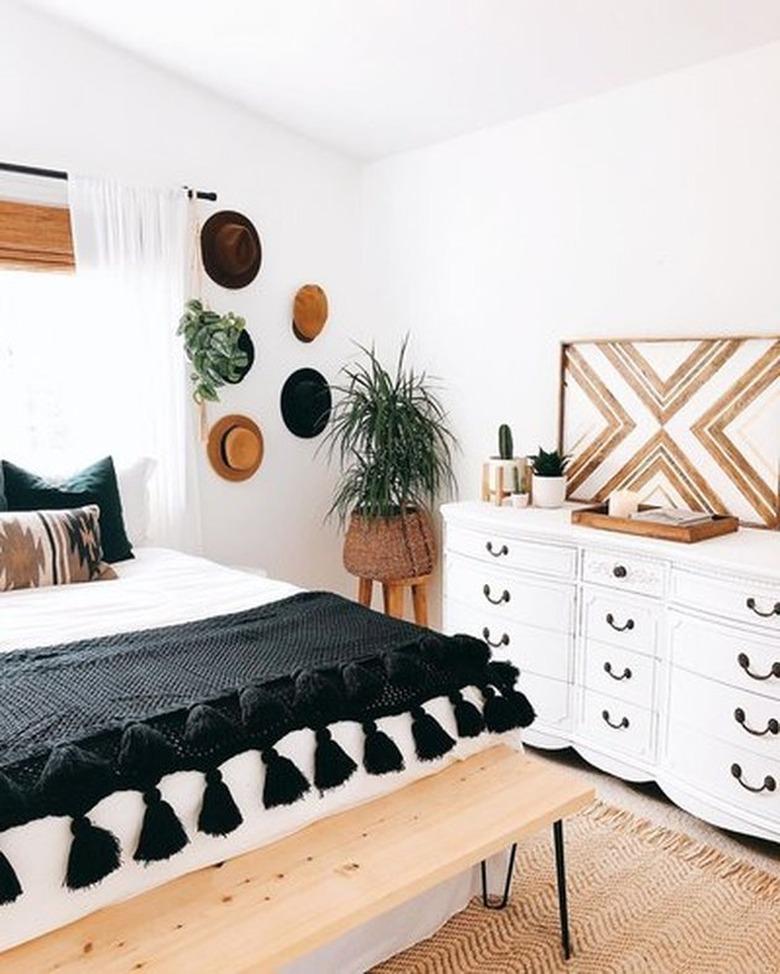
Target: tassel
{"x": 94, "y": 854}
{"x": 332, "y": 765}
{"x": 431, "y": 740}
{"x": 284, "y": 782}
{"x": 502, "y": 673}
{"x": 145, "y": 755}
{"x": 12, "y": 803}
{"x": 219, "y": 814}
{"x": 468, "y": 718}
{"x": 361, "y": 682}
{"x": 507, "y": 711}
{"x": 381, "y": 754}
{"x": 73, "y": 780}
{"x": 316, "y": 692}
{"x": 261, "y": 710}
{"x": 162, "y": 834}
{"x": 10, "y": 888}
{"x": 524, "y": 713}
{"x": 404, "y": 668}
{"x": 435, "y": 648}
{"x": 208, "y": 727}
{"x": 471, "y": 653}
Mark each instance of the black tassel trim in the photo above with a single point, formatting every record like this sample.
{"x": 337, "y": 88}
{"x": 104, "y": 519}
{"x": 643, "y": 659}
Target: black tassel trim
{"x": 73, "y": 780}
{"x": 431, "y": 740}
{"x": 316, "y": 692}
{"x": 208, "y": 727}
{"x": 284, "y": 782}
{"x": 361, "y": 683}
{"x": 94, "y": 854}
{"x": 332, "y": 765}
{"x": 13, "y": 804}
{"x": 404, "y": 668}
{"x": 145, "y": 754}
{"x": 507, "y": 711}
{"x": 502, "y": 673}
{"x": 524, "y": 713}
{"x": 434, "y": 648}
{"x": 10, "y": 888}
{"x": 261, "y": 710}
{"x": 469, "y": 720}
{"x": 381, "y": 755}
{"x": 471, "y": 653}
{"x": 162, "y": 834}
{"x": 219, "y": 814}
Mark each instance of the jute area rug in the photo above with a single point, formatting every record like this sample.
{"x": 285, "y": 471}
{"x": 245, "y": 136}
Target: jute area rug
{"x": 641, "y": 899}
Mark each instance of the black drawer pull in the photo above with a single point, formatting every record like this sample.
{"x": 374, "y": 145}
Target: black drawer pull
{"x": 504, "y": 597}
{"x": 503, "y": 550}
{"x": 774, "y": 611}
{"x": 620, "y": 571}
{"x": 624, "y": 723}
{"x": 625, "y": 675}
{"x": 769, "y": 782}
{"x": 772, "y": 725}
{"x": 626, "y": 628}
{"x": 744, "y": 661}
{"x": 503, "y": 641}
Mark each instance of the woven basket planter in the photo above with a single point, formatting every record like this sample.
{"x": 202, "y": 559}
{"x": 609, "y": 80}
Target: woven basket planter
{"x": 391, "y": 548}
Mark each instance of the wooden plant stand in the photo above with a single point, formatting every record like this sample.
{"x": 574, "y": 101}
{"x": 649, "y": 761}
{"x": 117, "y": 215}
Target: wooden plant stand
{"x": 393, "y": 593}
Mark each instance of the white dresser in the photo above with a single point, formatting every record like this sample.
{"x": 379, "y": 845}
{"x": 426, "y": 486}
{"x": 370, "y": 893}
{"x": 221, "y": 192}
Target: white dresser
{"x": 654, "y": 660}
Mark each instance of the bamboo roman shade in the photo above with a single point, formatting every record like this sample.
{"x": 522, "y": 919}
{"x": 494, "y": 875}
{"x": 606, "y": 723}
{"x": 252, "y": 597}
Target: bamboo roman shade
{"x": 35, "y": 237}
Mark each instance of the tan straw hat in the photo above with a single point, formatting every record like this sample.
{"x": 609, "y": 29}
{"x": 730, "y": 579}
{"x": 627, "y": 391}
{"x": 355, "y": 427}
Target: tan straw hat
{"x": 310, "y": 312}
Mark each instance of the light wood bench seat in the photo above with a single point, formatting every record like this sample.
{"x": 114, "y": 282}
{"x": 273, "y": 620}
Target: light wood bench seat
{"x": 272, "y": 905}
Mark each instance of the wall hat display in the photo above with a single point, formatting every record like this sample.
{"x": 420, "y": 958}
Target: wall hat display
{"x": 247, "y": 346}
{"x": 306, "y": 403}
{"x": 310, "y": 312}
{"x": 231, "y": 249}
{"x": 235, "y": 447}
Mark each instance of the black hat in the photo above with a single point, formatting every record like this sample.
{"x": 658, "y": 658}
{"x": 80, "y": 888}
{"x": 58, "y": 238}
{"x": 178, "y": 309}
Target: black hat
{"x": 245, "y": 344}
{"x": 306, "y": 403}
{"x": 231, "y": 249}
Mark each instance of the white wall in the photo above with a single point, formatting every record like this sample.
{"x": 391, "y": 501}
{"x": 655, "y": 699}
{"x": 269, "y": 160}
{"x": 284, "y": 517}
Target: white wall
{"x": 69, "y": 102}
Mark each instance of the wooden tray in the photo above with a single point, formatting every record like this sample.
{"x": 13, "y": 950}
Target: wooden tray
{"x": 597, "y": 517}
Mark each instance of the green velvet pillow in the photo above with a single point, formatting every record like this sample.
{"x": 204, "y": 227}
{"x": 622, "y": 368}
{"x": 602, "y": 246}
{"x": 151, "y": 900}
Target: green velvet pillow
{"x": 97, "y": 484}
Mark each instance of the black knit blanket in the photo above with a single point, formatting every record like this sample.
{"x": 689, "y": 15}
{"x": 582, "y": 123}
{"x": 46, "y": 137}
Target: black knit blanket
{"x": 83, "y": 720}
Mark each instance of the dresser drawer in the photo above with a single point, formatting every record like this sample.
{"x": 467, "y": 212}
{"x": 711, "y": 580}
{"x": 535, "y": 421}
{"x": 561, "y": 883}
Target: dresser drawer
{"x": 551, "y": 699}
{"x": 504, "y": 594}
{"x": 627, "y": 676}
{"x": 738, "y": 657}
{"x": 628, "y": 572}
{"x": 494, "y": 548}
{"x": 736, "y": 716}
{"x": 735, "y": 775}
{"x": 614, "y": 725}
{"x": 621, "y": 620}
{"x": 533, "y": 650}
{"x": 738, "y": 599}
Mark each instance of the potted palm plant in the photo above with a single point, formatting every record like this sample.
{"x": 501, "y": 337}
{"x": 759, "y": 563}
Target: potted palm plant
{"x": 390, "y": 436}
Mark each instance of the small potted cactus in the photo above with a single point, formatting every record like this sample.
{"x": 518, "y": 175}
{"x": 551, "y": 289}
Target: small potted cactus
{"x": 505, "y": 473}
{"x": 549, "y": 478}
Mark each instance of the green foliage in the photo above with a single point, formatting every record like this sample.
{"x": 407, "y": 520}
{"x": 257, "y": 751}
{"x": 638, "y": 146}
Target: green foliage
{"x": 505, "y": 442}
{"x": 211, "y": 345}
{"x": 549, "y": 464}
{"x": 390, "y": 435}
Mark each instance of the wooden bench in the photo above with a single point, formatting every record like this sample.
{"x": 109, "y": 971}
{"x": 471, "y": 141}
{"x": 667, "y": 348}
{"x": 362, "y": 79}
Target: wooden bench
{"x": 265, "y": 908}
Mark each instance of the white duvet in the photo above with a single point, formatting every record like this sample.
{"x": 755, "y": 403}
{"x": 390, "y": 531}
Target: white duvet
{"x": 161, "y": 588}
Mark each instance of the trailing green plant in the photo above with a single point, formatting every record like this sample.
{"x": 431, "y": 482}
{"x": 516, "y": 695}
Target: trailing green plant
{"x": 551, "y": 464}
{"x": 390, "y": 435}
{"x": 211, "y": 345}
{"x": 505, "y": 442}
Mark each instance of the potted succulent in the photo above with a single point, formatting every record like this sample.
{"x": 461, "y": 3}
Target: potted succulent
{"x": 390, "y": 435}
{"x": 506, "y": 472}
{"x": 217, "y": 346}
{"x": 549, "y": 478}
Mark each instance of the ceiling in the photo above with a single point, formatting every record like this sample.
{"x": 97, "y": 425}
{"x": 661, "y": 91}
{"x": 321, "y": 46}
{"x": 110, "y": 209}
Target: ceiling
{"x": 372, "y": 77}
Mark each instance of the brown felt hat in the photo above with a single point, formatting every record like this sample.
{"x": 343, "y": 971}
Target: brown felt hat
{"x": 231, "y": 249}
{"x": 310, "y": 312}
{"x": 235, "y": 447}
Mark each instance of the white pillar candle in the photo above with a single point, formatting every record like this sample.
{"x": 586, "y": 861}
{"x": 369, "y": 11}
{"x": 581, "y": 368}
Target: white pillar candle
{"x": 623, "y": 503}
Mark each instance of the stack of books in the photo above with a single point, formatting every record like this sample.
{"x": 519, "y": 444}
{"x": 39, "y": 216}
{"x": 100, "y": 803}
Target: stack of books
{"x": 672, "y": 515}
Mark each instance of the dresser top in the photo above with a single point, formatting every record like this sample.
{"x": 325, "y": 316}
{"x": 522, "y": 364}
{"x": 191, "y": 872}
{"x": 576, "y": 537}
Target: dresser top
{"x": 751, "y": 550}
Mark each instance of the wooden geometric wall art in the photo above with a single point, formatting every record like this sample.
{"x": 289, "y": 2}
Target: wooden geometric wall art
{"x": 689, "y": 423}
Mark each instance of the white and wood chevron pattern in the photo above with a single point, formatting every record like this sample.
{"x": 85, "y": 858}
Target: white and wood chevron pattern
{"x": 691, "y": 423}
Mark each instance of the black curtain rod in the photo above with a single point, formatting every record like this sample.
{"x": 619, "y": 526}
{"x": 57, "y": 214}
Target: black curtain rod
{"x": 61, "y": 174}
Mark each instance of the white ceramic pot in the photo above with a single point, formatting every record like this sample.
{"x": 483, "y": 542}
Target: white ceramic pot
{"x": 519, "y": 500}
{"x": 549, "y": 491}
{"x": 508, "y": 467}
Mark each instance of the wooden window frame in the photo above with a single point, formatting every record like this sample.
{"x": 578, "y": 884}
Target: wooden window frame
{"x": 35, "y": 237}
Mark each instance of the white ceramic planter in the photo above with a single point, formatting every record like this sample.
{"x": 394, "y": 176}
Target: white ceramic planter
{"x": 508, "y": 467}
{"x": 518, "y": 500}
{"x": 549, "y": 491}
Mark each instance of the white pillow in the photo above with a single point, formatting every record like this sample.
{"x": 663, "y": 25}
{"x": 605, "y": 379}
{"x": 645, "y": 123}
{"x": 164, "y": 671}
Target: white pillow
{"x": 134, "y": 493}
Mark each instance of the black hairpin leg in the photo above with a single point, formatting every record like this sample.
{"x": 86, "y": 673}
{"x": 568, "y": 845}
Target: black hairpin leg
{"x": 498, "y": 904}
{"x": 560, "y": 870}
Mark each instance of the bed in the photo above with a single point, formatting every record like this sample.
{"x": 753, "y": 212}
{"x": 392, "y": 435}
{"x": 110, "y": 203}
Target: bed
{"x": 162, "y": 588}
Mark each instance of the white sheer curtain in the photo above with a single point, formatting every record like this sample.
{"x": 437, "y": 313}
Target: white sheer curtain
{"x": 90, "y": 363}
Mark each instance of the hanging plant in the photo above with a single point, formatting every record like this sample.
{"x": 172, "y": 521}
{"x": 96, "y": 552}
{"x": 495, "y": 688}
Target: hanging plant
{"x": 211, "y": 343}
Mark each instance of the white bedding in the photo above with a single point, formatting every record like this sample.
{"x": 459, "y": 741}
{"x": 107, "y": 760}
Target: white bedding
{"x": 158, "y": 588}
